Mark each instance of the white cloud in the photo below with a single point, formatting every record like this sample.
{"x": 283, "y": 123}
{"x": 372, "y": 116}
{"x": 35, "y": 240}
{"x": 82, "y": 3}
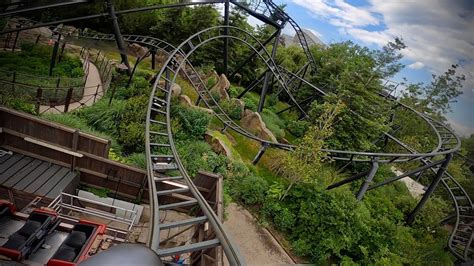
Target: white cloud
{"x": 438, "y": 33}
{"x": 416, "y": 65}
{"x": 460, "y": 129}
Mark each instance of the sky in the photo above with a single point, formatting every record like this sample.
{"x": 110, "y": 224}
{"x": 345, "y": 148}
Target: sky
{"x": 438, "y": 33}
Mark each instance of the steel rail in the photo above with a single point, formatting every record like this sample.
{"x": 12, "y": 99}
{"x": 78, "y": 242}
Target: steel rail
{"x": 37, "y": 8}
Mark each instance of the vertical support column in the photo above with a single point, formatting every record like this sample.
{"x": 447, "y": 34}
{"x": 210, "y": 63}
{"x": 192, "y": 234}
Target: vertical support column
{"x": 16, "y": 38}
{"x": 268, "y": 75}
{"x": 368, "y": 179}
{"x": 39, "y": 95}
{"x": 260, "y": 153}
{"x": 153, "y": 54}
{"x": 54, "y": 55}
{"x": 431, "y": 189}
{"x": 75, "y": 139}
{"x": 62, "y": 51}
{"x": 68, "y": 100}
{"x": 118, "y": 34}
{"x": 226, "y": 40}
{"x": 13, "y": 81}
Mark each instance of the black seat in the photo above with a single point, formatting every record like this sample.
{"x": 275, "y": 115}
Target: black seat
{"x": 74, "y": 244}
{"x": 30, "y": 236}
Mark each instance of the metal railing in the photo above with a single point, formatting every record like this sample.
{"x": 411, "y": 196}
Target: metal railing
{"x": 65, "y": 204}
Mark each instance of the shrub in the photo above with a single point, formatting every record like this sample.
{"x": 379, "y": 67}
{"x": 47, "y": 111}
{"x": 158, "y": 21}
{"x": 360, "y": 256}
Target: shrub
{"x": 250, "y": 189}
{"x": 103, "y": 117}
{"x": 297, "y": 128}
{"x": 232, "y": 108}
{"x": 272, "y": 99}
{"x": 275, "y": 124}
{"x": 250, "y": 103}
{"x": 132, "y": 137}
{"x": 234, "y": 91}
{"x": 193, "y": 121}
{"x": 198, "y": 155}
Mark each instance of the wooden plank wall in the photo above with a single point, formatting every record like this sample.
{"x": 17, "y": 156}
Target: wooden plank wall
{"x": 94, "y": 167}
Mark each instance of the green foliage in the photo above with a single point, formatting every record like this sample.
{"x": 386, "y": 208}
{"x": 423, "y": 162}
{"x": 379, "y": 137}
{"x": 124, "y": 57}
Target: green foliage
{"x": 274, "y": 123}
{"x": 231, "y": 108}
{"x": 34, "y": 61}
{"x": 100, "y": 192}
{"x": 250, "y": 190}
{"x": 250, "y": 103}
{"x": 20, "y": 103}
{"x": 137, "y": 160}
{"x": 436, "y": 97}
{"x": 197, "y": 155}
{"x": 297, "y": 128}
{"x": 192, "y": 121}
{"x": 103, "y": 117}
{"x": 235, "y": 91}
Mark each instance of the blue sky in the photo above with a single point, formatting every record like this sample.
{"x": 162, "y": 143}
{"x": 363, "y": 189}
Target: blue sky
{"x": 438, "y": 33}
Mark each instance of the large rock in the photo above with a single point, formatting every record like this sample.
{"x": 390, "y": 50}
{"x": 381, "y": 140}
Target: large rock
{"x": 186, "y": 101}
{"x": 136, "y": 50}
{"x": 217, "y": 145}
{"x": 220, "y": 89}
{"x": 252, "y": 121}
{"x": 175, "y": 89}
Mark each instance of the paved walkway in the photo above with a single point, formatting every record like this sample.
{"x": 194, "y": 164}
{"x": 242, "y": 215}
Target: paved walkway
{"x": 91, "y": 93}
{"x": 256, "y": 244}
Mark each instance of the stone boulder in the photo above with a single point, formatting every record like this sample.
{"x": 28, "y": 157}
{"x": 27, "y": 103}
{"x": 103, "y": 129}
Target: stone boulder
{"x": 186, "y": 101}
{"x": 136, "y": 50}
{"x": 252, "y": 121}
{"x": 175, "y": 89}
{"x": 217, "y": 145}
{"x": 220, "y": 89}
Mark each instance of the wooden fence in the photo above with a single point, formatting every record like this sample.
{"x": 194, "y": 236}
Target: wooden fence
{"x": 85, "y": 153}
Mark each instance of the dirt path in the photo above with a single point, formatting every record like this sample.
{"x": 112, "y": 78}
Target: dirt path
{"x": 91, "y": 93}
{"x": 256, "y": 244}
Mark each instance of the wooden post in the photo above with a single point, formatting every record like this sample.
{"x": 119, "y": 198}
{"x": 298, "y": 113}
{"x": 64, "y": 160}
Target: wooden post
{"x": 62, "y": 52}
{"x": 37, "y": 39}
{"x": 75, "y": 139}
{"x": 68, "y": 100}
{"x": 13, "y": 81}
{"x": 57, "y": 87}
{"x": 39, "y": 94}
{"x": 96, "y": 92}
{"x": 16, "y": 38}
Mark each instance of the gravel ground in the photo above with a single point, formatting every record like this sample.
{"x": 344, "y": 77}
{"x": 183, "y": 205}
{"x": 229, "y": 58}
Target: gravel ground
{"x": 256, "y": 244}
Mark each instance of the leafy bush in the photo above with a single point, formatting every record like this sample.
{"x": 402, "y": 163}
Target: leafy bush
{"x": 272, "y": 99}
{"x": 275, "y": 124}
{"x": 137, "y": 160}
{"x": 132, "y": 137}
{"x": 103, "y": 117}
{"x": 198, "y": 155}
{"x": 232, "y": 108}
{"x": 20, "y": 103}
{"x": 250, "y": 103}
{"x": 297, "y": 128}
{"x": 234, "y": 91}
{"x": 193, "y": 121}
{"x": 249, "y": 189}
